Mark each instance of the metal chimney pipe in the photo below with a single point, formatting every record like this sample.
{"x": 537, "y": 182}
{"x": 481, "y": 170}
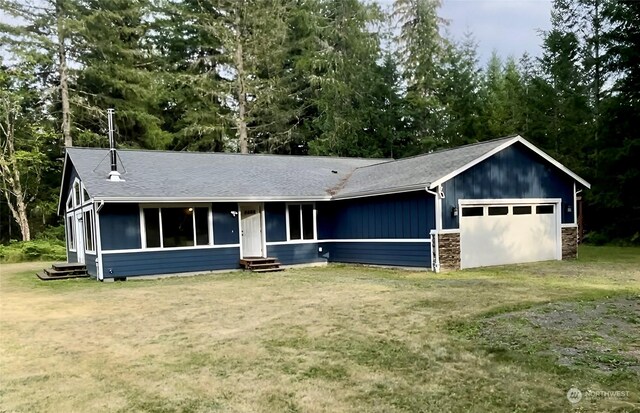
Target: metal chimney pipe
{"x": 112, "y": 144}
{"x": 114, "y": 175}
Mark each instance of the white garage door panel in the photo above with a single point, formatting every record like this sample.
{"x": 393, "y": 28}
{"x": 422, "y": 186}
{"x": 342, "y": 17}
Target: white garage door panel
{"x": 507, "y": 239}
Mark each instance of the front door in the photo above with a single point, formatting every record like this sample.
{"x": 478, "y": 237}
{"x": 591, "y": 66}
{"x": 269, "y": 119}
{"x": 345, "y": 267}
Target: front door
{"x": 251, "y": 230}
{"x": 78, "y": 217}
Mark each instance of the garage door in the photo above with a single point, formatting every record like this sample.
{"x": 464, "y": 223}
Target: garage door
{"x": 508, "y": 234}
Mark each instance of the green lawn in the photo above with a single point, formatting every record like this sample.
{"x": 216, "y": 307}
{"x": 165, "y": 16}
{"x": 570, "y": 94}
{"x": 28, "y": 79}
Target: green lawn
{"x": 328, "y": 339}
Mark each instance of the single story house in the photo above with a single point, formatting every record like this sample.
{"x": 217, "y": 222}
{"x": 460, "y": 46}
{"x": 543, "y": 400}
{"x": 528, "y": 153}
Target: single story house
{"x": 495, "y": 202}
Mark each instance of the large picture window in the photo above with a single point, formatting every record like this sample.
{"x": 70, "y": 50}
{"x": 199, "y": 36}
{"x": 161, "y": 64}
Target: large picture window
{"x": 176, "y": 227}
{"x": 301, "y": 221}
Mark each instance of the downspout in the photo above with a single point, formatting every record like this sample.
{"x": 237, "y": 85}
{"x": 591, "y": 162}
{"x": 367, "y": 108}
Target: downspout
{"x": 99, "y": 275}
{"x": 438, "y": 196}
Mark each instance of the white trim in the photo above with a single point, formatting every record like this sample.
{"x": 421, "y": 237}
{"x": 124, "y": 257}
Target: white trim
{"x": 91, "y": 223}
{"x": 575, "y": 205}
{"x": 143, "y": 230}
{"x": 191, "y": 200}
{"x": 199, "y": 247}
{"x": 532, "y": 201}
{"x": 64, "y": 170}
{"x": 263, "y": 230}
{"x": 372, "y": 240}
{"x": 569, "y": 225}
{"x": 505, "y": 145}
{"x": 99, "y": 274}
{"x": 435, "y": 264}
{"x": 71, "y": 248}
{"x": 240, "y": 228}
{"x": 315, "y": 222}
{"x": 449, "y": 231}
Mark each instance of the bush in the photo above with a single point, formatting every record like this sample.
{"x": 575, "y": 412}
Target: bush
{"x": 38, "y": 250}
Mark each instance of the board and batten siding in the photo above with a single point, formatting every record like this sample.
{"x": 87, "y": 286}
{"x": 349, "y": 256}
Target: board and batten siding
{"x": 184, "y": 260}
{"x": 120, "y": 227}
{"x": 296, "y": 253}
{"x": 90, "y": 262}
{"x": 390, "y": 222}
{"x": 514, "y": 172}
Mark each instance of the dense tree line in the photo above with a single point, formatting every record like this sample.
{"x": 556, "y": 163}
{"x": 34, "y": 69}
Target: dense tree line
{"x": 325, "y": 77}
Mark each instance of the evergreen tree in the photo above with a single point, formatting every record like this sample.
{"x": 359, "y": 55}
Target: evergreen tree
{"x": 39, "y": 33}
{"x": 117, "y": 71}
{"x": 421, "y": 50}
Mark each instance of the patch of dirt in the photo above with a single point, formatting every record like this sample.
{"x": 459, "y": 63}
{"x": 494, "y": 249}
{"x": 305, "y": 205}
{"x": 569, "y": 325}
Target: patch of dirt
{"x": 602, "y": 335}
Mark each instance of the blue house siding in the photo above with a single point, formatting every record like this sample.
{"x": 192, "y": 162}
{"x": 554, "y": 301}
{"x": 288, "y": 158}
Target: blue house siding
{"x": 90, "y": 262}
{"x": 72, "y": 256}
{"x": 167, "y": 262}
{"x": 291, "y": 254}
{"x": 406, "y": 215}
{"x": 120, "y": 227}
{"x": 225, "y": 225}
{"x": 515, "y": 172}
{"x": 275, "y": 221}
{"x": 406, "y": 254}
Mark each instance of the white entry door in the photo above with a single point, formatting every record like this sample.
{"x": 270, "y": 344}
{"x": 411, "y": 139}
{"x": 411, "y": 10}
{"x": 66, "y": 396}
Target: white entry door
{"x": 508, "y": 234}
{"x": 78, "y": 217}
{"x": 251, "y": 230}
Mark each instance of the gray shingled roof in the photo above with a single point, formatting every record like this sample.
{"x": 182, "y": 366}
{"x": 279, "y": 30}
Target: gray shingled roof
{"x": 195, "y": 175}
{"x": 417, "y": 171}
{"x": 159, "y": 174}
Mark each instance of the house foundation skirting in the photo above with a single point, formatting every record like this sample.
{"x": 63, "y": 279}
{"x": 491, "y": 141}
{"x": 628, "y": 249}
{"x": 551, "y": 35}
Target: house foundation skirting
{"x": 569, "y": 243}
{"x": 449, "y": 251}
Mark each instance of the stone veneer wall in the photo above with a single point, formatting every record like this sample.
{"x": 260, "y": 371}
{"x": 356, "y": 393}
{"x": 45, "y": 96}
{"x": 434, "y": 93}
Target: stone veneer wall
{"x": 569, "y": 243}
{"x": 449, "y": 251}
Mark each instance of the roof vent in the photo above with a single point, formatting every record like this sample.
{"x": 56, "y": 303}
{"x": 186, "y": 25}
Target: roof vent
{"x": 114, "y": 175}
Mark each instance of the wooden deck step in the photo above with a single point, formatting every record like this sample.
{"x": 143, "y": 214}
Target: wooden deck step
{"x": 273, "y": 269}
{"x": 260, "y": 264}
{"x": 63, "y": 271}
{"x": 45, "y": 277}
{"x": 59, "y": 273}
{"x": 64, "y": 266}
{"x": 265, "y": 265}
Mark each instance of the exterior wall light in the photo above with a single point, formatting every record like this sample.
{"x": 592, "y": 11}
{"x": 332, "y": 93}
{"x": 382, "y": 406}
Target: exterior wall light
{"x": 454, "y": 211}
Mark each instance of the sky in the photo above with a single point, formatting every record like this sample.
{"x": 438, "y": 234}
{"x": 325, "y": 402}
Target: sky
{"x": 511, "y": 27}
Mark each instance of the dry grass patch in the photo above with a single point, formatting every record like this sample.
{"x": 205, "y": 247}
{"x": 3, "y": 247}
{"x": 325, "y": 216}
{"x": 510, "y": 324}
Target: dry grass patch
{"x": 341, "y": 338}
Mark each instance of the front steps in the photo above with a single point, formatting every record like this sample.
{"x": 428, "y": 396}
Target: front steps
{"x": 260, "y": 264}
{"x": 63, "y": 271}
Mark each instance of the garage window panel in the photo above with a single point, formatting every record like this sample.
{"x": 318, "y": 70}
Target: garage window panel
{"x": 473, "y": 211}
{"x": 522, "y": 210}
{"x": 498, "y": 210}
{"x": 544, "y": 209}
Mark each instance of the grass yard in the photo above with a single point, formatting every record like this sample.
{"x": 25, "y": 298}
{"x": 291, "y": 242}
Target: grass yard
{"x": 327, "y": 339}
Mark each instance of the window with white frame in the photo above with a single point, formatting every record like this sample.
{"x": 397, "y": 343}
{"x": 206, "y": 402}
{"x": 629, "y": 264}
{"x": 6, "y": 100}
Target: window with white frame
{"x": 176, "y": 227}
{"x": 71, "y": 238}
{"x": 89, "y": 231}
{"x": 76, "y": 193}
{"x": 70, "y": 202}
{"x": 301, "y": 221}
